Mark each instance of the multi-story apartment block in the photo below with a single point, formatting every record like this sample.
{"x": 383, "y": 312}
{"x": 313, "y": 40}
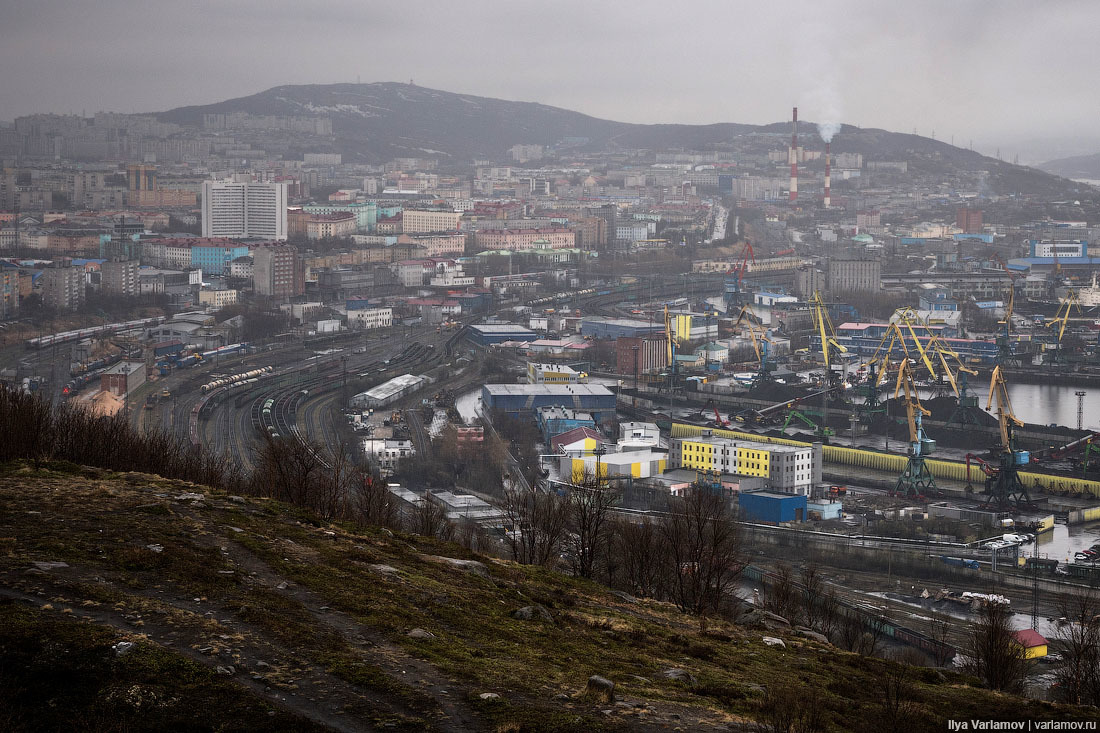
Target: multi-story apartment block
{"x": 416, "y": 222}
{"x": 9, "y": 293}
{"x": 244, "y": 209}
{"x": 324, "y": 226}
{"x": 854, "y": 273}
{"x": 277, "y": 272}
{"x": 63, "y": 287}
{"x": 438, "y": 244}
{"x": 119, "y": 277}
{"x": 213, "y": 258}
{"x": 557, "y": 238}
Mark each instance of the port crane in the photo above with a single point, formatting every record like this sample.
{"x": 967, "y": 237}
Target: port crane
{"x": 1003, "y": 488}
{"x": 1005, "y": 355}
{"x": 916, "y": 480}
{"x": 1060, "y": 320}
{"x": 734, "y": 290}
{"x": 825, "y": 331}
{"x": 760, "y": 343}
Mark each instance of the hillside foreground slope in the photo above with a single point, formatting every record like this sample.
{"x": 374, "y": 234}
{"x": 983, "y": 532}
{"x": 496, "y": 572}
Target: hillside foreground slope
{"x": 132, "y": 602}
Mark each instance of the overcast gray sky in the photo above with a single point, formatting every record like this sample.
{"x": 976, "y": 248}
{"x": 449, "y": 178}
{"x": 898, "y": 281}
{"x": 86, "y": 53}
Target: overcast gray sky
{"x": 977, "y": 69}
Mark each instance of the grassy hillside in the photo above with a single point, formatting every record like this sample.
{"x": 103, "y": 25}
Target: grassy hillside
{"x": 246, "y": 614}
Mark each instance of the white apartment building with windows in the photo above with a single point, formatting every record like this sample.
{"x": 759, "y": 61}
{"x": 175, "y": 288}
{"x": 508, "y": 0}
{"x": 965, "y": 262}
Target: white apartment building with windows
{"x": 241, "y": 209}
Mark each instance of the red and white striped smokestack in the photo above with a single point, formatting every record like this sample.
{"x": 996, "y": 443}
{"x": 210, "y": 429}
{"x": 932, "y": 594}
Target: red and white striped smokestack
{"x": 828, "y": 198}
{"x": 794, "y": 156}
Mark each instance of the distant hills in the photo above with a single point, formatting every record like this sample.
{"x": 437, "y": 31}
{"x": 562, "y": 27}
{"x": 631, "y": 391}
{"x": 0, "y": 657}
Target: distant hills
{"x": 378, "y": 121}
{"x": 1077, "y": 166}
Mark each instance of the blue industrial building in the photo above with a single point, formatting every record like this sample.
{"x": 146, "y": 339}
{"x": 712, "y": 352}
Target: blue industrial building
{"x": 613, "y": 328}
{"x": 986, "y": 238}
{"x": 497, "y": 333}
{"x": 555, "y": 420}
{"x": 863, "y": 339}
{"x": 520, "y": 399}
{"x": 772, "y": 507}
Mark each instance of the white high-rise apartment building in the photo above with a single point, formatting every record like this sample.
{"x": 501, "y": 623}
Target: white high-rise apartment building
{"x": 244, "y": 209}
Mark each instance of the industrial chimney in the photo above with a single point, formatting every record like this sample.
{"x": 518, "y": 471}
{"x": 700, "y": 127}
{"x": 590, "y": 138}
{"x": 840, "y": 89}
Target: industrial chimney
{"x": 828, "y": 163}
{"x": 794, "y": 157}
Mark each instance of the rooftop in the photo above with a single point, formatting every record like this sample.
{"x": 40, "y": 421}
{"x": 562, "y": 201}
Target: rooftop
{"x": 594, "y": 390}
{"x": 393, "y": 386}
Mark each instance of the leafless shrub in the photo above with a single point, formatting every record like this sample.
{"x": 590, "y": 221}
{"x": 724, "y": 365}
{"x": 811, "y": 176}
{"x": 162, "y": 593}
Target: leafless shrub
{"x": 703, "y": 548}
{"x": 536, "y": 525}
{"x": 993, "y": 656}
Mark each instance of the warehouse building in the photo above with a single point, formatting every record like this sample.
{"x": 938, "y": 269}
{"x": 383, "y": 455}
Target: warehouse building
{"x": 614, "y": 328}
{"x": 389, "y": 391}
{"x": 555, "y": 420}
{"x": 633, "y": 464}
{"x": 485, "y": 334}
{"x": 516, "y": 399}
{"x": 772, "y": 507}
{"x": 123, "y": 378}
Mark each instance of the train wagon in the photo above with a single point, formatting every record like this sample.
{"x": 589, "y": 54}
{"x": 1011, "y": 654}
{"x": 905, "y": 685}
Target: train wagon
{"x": 960, "y": 562}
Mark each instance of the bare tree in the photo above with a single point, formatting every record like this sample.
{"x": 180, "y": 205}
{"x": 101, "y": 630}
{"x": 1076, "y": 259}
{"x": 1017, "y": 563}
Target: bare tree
{"x": 782, "y": 596}
{"x": 993, "y": 655}
{"x": 287, "y": 470}
{"x": 859, "y": 634}
{"x": 813, "y": 594}
{"x": 829, "y": 617}
{"x": 703, "y": 545}
{"x": 429, "y": 519}
{"x": 1079, "y": 642}
{"x": 589, "y": 509}
{"x": 536, "y": 523}
{"x": 791, "y": 710}
{"x": 896, "y": 699}
{"x": 373, "y": 503}
{"x": 939, "y": 630}
{"x": 639, "y": 554}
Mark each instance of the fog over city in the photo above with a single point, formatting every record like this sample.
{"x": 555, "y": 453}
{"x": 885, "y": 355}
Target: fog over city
{"x": 995, "y": 73}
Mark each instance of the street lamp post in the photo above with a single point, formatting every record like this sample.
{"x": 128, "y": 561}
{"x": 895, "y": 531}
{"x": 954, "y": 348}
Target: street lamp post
{"x": 600, "y": 451}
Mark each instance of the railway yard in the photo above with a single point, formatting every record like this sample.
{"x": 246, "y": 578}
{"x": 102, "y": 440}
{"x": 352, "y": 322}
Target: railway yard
{"x": 298, "y": 388}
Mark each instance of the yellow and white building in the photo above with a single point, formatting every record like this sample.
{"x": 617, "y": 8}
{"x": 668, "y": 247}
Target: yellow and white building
{"x": 632, "y": 464}
{"x": 786, "y": 467}
{"x": 554, "y": 374}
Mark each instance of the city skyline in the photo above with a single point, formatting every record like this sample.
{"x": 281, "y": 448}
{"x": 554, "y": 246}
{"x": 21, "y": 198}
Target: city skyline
{"x": 970, "y": 73}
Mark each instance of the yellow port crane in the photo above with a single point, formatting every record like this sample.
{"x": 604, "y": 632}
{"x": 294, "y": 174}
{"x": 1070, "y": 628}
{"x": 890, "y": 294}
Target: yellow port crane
{"x": 1061, "y": 318}
{"x": 1003, "y": 487}
{"x": 824, "y": 327}
{"x": 760, "y": 341}
{"x": 916, "y": 480}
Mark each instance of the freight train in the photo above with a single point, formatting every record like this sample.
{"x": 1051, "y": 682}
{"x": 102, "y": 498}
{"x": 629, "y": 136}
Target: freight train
{"x": 236, "y": 379}
{"x": 93, "y": 332}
